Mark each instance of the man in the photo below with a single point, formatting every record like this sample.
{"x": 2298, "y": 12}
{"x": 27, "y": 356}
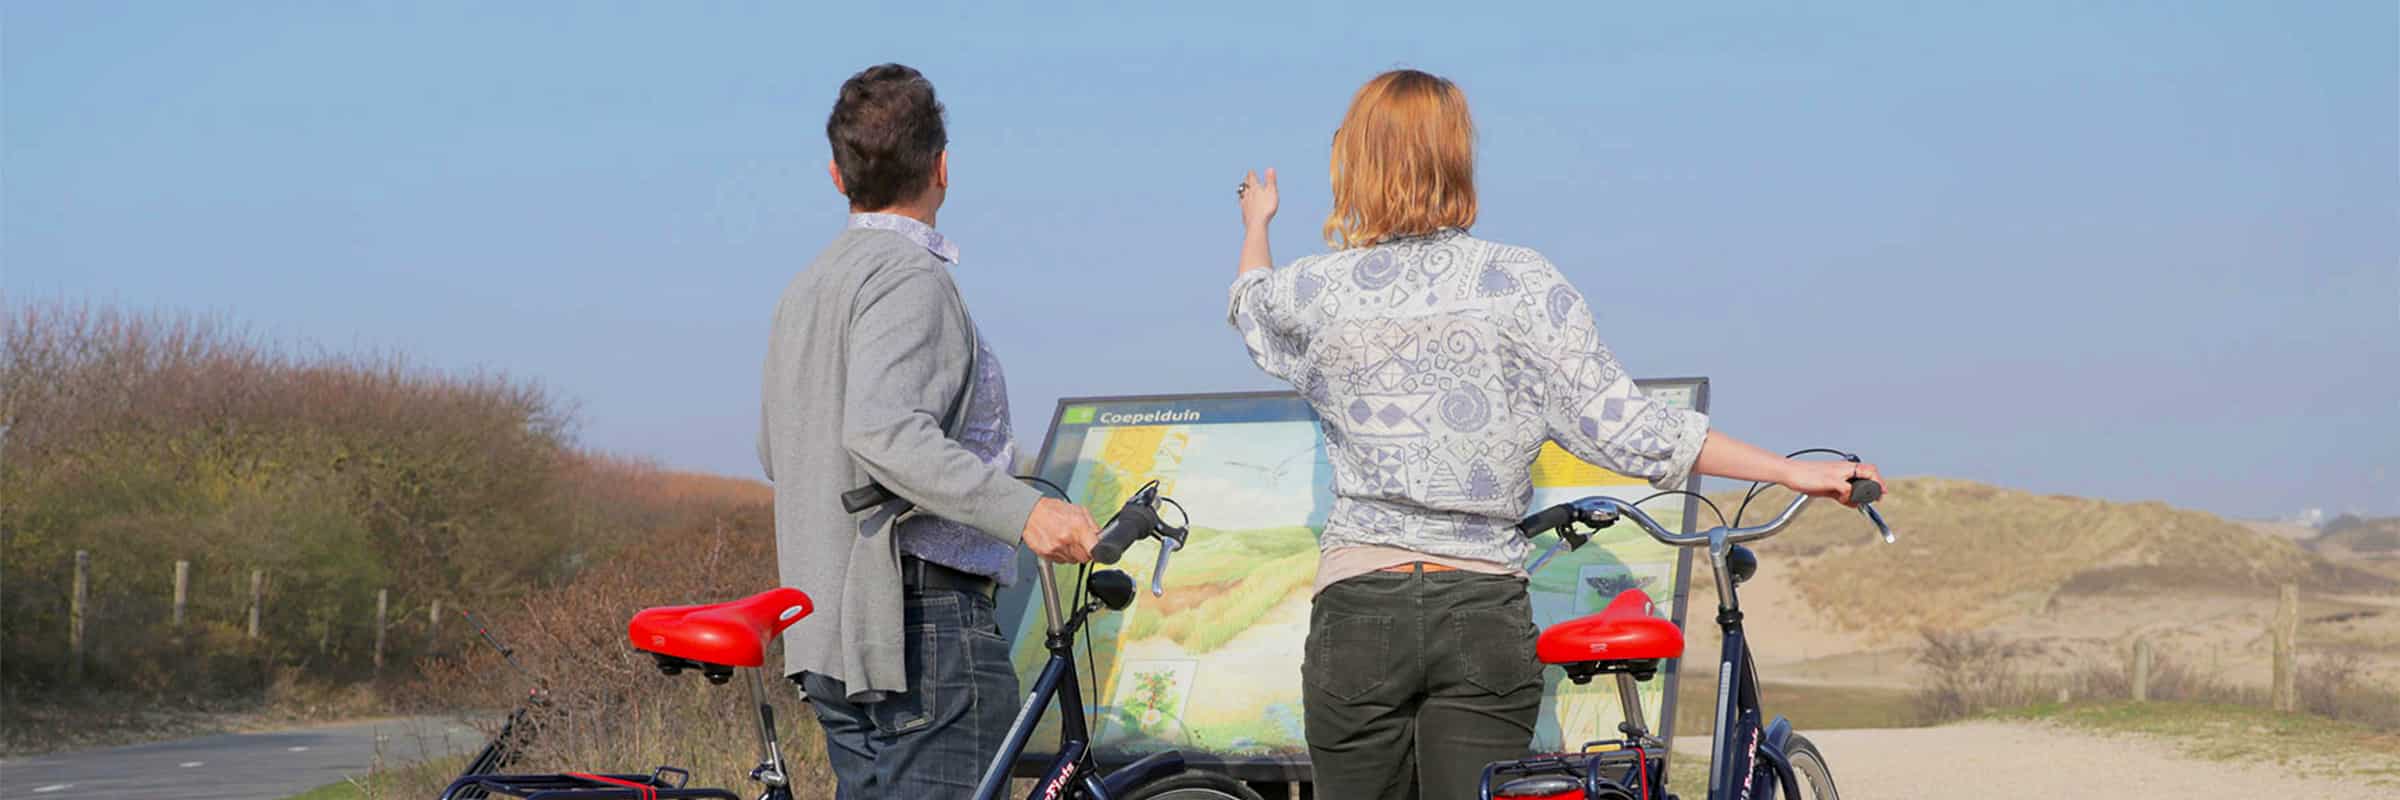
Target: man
{"x": 875, "y": 375}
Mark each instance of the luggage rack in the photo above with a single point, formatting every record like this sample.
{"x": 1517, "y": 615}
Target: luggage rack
{"x": 1600, "y": 766}
{"x": 664, "y": 784}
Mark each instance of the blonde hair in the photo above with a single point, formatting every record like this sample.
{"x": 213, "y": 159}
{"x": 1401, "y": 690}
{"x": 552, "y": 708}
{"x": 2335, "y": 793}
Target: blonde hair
{"x": 1403, "y": 161}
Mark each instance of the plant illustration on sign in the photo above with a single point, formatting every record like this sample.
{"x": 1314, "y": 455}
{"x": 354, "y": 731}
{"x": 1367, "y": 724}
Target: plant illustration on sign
{"x": 1153, "y": 699}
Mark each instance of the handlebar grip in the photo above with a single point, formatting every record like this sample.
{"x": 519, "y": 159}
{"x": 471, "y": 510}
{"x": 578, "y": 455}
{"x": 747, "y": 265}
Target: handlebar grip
{"x": 1122, "y": 530}
{"x": 1546, "y": 520}
{"x": 870, "y": 496}
{"x": 1863, "y": 491}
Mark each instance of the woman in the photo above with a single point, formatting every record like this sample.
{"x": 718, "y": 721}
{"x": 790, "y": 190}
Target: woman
{"x": 1440, "y": 363}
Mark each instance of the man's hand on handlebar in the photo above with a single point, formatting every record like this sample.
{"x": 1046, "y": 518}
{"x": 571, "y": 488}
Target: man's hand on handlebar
{"x": 1060, "y": 532}
{"x": 1828, "y": 479}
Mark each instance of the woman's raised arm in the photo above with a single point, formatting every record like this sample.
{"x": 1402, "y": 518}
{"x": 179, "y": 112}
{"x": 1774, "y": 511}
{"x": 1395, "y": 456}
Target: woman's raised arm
{"x": 1258, "y": 201}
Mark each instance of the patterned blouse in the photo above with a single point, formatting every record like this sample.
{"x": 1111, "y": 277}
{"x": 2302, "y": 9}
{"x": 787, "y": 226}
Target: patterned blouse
{"x": 1439, "y": 365}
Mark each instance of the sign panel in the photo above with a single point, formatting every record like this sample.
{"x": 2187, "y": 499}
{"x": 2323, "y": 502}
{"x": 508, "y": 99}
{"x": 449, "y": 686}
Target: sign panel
{"x": 1213, "y": 667}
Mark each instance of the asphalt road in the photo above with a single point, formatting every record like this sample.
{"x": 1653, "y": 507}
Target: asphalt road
{"x": 248, "y": 766}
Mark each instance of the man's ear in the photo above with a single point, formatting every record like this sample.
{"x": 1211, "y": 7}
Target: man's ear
{"x": 834, "y": 170}
{"x": 941, "y": 172}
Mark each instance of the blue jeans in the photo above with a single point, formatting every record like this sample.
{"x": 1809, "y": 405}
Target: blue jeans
{"x": 934, "y": 740}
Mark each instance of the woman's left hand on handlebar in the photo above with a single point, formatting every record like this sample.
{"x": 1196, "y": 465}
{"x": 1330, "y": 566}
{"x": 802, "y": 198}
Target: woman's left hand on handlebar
{"x": 1829, "y": 479}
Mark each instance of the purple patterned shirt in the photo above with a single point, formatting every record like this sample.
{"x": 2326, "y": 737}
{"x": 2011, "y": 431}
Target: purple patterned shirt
{"x": 987, "y": 434}
{"x": 1439, "y": 365}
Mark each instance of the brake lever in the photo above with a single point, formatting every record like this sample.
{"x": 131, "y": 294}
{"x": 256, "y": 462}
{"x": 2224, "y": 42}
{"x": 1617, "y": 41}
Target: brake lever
{"x": 1876, "y": 517}
{"x": 1158, "y": 572}
{"x": 1568, "y": 539}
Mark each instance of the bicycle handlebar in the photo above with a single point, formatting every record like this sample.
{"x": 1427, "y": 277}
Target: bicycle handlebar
{"x": 1601, "y": 512}
{"x": 1863, "y": 491}
{"x": 1122, "y": 530}
{"x": 1136, "y": 520}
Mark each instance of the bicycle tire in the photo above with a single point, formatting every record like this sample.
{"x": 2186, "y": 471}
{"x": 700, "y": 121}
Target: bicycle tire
{"x": 1194, "y": 785}
{"x": 1808, "y": 765}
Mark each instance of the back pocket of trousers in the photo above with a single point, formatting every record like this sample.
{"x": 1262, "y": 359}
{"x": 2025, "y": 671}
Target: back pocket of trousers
{"x": 1347, "y": 655}
{"x": 1495, "y": 649}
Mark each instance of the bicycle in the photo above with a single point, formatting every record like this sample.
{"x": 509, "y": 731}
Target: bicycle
{"x": 1074, "y": 772}
{"x": 714, "y": 640}
{"x": 1749, "y": 758}
{"x": 720, "y": 639}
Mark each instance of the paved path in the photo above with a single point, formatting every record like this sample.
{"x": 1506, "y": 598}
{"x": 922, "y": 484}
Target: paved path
{"x": 248, "y": 766}
{"x": 2011, "y": 761}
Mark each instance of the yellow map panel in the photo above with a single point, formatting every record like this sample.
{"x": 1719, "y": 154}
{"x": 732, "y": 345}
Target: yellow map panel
{"x": 1555, "y": 467}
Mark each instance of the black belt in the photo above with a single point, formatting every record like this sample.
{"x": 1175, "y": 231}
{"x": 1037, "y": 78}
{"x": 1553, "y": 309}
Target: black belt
{"x": 921, "y": 575}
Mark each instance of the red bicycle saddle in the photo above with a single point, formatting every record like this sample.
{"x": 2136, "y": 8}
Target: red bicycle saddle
{"x": 1624, "y": 631}
{"x": 734, "y": 634}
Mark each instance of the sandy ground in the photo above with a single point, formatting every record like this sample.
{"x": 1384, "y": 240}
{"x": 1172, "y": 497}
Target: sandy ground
{"x": 2008, "y": 761}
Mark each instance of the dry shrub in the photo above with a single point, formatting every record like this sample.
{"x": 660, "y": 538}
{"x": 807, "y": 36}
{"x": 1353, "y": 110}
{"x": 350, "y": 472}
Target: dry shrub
{"x": 609, "y": 708}
{"x": 1969, "y": 673}
{"x": 2337, "y": 686}
{"x": 148, "y": 438}
{"x": 2172, "y": 679}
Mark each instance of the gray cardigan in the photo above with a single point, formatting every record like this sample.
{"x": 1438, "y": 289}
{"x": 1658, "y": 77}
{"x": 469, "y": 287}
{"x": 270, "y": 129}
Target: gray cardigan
{"x": 867, "y": 360}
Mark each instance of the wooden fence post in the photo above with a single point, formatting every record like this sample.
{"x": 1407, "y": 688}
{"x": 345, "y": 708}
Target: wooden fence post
{"x": 258, "y": 597}
{"x": 2141, "y": 670}
{"x": 433, "y": 624}
{"x": 382, "y": 600}
{"x": 2286, "y": 633}
{"x": 183, "y": 589}
{"x": 76, "y": 610}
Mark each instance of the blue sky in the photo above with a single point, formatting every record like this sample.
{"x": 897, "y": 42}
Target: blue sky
{"x": 2150, "y": 251}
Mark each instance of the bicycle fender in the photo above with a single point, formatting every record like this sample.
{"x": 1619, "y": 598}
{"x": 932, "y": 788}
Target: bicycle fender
{"x": 1772, "y": 758}
{"x": 1778, "y": 733}
{"x": 1155, "y": 766}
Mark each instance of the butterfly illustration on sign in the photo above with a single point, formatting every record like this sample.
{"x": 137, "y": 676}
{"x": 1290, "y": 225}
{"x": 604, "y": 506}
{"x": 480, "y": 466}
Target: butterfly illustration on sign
{"x": 1281, "y": 469}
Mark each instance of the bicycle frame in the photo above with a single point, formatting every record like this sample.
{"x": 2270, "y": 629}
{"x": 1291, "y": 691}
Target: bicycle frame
{"x": 1073, "y": 772}
{"x": 1740, "y": 741}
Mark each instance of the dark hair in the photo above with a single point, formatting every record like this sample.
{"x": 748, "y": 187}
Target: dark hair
{"x": 886, "y": 131}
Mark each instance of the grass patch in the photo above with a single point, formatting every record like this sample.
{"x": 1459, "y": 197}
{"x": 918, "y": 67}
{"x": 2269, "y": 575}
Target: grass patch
{"x": 338, "y": 790}
{"x": 1687, "y": 772}
{"x": 1809, "y": 707}
{"x": 396, "y": 782}
{"x": 2305, "y": 743}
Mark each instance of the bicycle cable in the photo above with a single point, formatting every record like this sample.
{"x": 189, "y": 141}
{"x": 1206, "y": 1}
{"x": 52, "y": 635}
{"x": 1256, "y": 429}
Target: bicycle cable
{"x": 1712, "y": 504}
{"x": 1062, "y": 493}
{"x": 1187, "y": 516}
{"x": 1091, "y": 668}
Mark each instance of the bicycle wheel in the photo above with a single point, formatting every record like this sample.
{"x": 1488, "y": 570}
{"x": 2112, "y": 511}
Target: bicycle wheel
{"x": 1816, "y": 780}
{"x": 1194, "y": 785}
